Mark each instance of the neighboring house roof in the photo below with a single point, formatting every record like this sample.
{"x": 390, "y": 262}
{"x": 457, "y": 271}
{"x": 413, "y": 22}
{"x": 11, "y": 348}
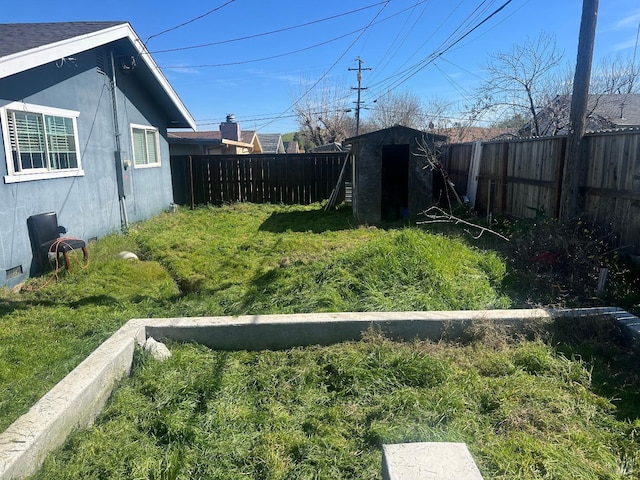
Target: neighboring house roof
{"x": 211, "y": 138}
{"x": 249, "y": 136}
{"x": 329, "y": 147}
{"x": 202, "y": 138}
{"x": 475, "y": 134}
{"x": 271, "y": 142}
{"x": 622, "y": 110}
{"x": 291, "y": 147}
{"x": 603, "y": 112}
{"x": 28, "y": 45}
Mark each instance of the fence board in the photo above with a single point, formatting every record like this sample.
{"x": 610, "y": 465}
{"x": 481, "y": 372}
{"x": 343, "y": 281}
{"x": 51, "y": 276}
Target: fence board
{"x": 288, "y": 178}
{"x": 531, "y": 179}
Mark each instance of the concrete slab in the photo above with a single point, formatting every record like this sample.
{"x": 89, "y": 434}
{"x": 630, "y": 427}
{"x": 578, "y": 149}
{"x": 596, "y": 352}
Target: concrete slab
{"x": 428, "y": 461}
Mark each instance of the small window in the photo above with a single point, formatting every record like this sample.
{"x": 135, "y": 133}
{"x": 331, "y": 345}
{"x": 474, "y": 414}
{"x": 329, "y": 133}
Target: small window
{"x": 40, "y": 142}
{"x": 146, "y": 151}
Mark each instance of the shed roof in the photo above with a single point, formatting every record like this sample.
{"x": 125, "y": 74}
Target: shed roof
{"x": 406, "y": 130}
{"x": 28, "y": 45}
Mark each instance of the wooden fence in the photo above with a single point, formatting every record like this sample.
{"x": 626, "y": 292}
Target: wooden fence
{"x": 523, "y": 177}
{"x": 283, "y": 178}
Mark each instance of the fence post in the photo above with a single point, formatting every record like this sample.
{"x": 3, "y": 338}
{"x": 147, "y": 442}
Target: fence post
{"x": 503, "y": 180}
{"x": 191, "y": 182}
{"x": 559, "y": 174}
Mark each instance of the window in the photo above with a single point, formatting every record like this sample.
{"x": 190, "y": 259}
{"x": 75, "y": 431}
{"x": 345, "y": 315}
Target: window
{"x": 146, "y": 152}
{"x": 40, "y": 142}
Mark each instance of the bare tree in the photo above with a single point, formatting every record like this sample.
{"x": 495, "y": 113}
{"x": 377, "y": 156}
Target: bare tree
{"x": 323, "y": 113}
{"x": 613, "y": 80}
{"x": 456, "y": 121}
{"x": 521, "y": 81}
{"x": 616, "y": 76}
{"x": 391, "y": 109}
{"x": 439, "y": 115}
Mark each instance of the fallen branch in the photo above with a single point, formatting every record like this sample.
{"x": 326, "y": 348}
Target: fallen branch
{"x": 438, "y": 215}
{"x": 433, "y": 163}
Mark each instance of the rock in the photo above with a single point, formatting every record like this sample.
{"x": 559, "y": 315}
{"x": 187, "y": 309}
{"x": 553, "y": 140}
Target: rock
{"x": 158, "y": 350}
{"x": 128, "y": 256}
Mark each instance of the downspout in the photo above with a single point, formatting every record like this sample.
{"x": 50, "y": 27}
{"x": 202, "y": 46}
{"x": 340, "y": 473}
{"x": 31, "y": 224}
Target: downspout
{"x": 124, "y": 220}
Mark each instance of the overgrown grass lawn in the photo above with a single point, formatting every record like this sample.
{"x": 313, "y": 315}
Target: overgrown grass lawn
{"x": 525, "y": 411}
{"x": 239, "y": 259}
{"x": 289, "y": 414}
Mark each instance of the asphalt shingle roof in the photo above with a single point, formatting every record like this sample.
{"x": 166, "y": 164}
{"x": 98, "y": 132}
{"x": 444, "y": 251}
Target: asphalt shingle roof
{"x": 19, "y": 37}
{"x": 269, "y": 142}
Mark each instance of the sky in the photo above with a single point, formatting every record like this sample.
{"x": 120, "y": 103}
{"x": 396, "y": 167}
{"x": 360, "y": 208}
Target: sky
{"x": 257, "y": 59}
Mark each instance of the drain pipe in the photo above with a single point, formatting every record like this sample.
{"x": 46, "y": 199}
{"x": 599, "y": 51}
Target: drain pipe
{"x": 124, "y": 219}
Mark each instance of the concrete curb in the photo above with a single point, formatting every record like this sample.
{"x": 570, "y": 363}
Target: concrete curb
{"x": 77, "y": 399}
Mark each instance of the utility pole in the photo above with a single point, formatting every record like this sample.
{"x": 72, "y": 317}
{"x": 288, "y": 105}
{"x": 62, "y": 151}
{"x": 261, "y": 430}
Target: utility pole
{"x": 359, "y": 88}
{"x": 575, "y": 166}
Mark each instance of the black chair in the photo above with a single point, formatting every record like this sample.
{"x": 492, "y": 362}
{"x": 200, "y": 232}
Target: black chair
{"x": 45, "y": 240}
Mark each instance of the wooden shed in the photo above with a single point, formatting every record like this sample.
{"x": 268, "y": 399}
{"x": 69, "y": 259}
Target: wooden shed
{"x": 390, "y": 181}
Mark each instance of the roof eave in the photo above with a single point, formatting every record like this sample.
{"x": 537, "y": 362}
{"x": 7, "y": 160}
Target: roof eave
{"x": 226, "y": 141}
{"x": 25, "y": 60}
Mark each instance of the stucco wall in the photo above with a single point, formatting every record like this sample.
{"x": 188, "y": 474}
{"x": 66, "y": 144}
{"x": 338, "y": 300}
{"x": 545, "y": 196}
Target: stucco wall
{"x": 87, "y": 206}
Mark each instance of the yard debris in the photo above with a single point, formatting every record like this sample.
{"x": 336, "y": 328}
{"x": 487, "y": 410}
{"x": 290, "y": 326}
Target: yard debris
{"x": 437, "y": 215}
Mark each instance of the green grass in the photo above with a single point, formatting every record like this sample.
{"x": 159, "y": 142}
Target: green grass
{"x": 249, "y": 259}
{"x": 525, "y": 411}
{"x": 239, "y": 259}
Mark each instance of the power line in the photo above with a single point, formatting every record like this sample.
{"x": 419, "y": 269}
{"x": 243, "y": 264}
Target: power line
{"x": 386, "y": 58}
{"x": 394, "y": 80}
{"x": 443, "y": 47}
{"x": 442, "y": 23}
{"x": 416, "y": 68}
{"x": 459, "y": 88}
{"x": 293, "y": 105}
{"x": 293, "y": 52}
{"x": 262, "y": 59}
{"x": 272, "y": 32}
{"x": 189, "y": 21}
{"x": 496, "y": 25}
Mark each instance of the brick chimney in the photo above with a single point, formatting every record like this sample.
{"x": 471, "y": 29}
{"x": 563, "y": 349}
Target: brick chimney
{"x": 230, "y": 130}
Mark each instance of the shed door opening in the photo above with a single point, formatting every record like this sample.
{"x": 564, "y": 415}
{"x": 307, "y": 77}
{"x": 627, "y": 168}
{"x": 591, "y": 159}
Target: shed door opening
{"x": 395, "y": 182}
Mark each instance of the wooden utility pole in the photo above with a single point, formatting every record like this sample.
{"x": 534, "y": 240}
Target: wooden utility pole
{"x": 359, "y": 88}
{"x": 575, "y": 167}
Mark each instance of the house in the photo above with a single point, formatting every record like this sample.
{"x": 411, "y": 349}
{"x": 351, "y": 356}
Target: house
{"x": 62, "y": 85}
{"x": 329, "y": 147}
{"x": 229, "y": 140}
{"x": 271, "y": 143}
{"x": 476, "y": 134}
{"x": 389, "y": 178}
{"x": 604, "y": 112}
{"x": 292, "y": 147}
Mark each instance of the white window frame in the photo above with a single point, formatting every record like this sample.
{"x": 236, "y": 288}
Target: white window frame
{"x": 47, "y": 172}
{"x": 149, "y": 163}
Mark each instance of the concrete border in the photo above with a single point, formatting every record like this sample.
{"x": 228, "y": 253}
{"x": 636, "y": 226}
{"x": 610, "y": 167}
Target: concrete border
{"x": 77, "y": 399}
